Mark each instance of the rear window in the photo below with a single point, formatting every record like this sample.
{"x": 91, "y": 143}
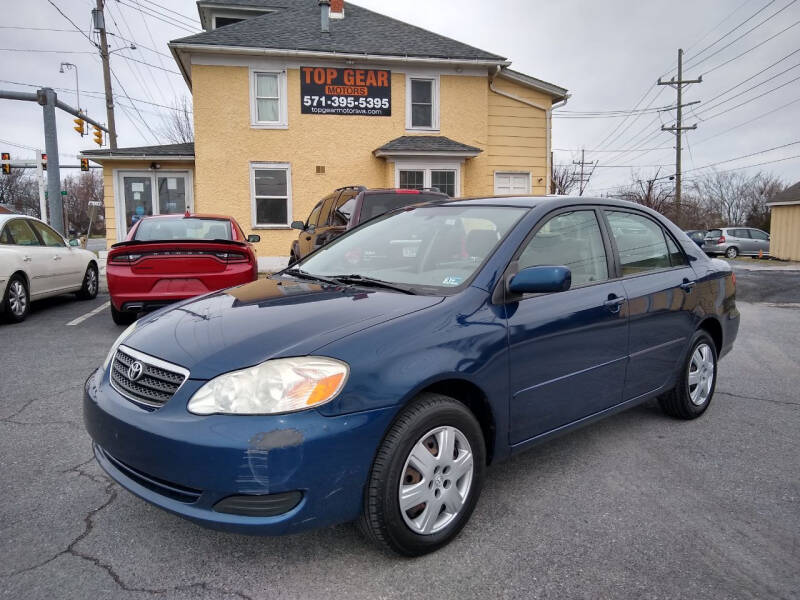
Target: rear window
{"x": 183, "y": 228}
{"x": 383, "y": 202}
{"x": 714, "y": 233}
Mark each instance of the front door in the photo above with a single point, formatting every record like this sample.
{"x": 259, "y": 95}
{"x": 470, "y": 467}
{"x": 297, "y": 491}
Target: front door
{"x": 145, "y": 193}
{"x": 568, "y": 349}
{"x": 67, "y": 265}
{"x": 660, "y": 286}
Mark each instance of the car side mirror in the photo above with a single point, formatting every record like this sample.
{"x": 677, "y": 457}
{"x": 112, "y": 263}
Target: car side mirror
{"x": 541, "y": 280}
{"x": 298, "y": 225}
{"x": 74, "y": 242}
{"x": 253, "y": 238}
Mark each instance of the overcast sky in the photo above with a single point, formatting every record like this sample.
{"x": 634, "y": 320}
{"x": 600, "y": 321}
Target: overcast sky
{"x": 608, "y": 54}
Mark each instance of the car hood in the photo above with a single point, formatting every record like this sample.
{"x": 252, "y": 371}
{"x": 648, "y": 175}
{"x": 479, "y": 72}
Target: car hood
{"x": 269, "y": 318}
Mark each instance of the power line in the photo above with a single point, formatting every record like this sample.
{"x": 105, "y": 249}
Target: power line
{"x": 150, "y": 33}
{"x": 161, "y": 17}
{"x": 142, "y": 62}
{"x": 191, "y": 20}
{"x": 761, "y": 116}
{"x": 22, "y": 28}
{"x": 124, "y": 91}
{"x": 738, "y": 56}
{"x": 616, "y": 150}
{"x": 727, "y": 110}
{"x": 713, "y": 106}
{"x": 78, "y": 29}
{"x": 137, "y": 44}
{"x": 780, "y": 60}
{"x": 37, "y": 50}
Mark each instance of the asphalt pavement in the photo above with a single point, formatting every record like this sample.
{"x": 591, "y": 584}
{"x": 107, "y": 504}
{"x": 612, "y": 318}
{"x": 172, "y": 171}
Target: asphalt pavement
{"x": 636, "y": 506}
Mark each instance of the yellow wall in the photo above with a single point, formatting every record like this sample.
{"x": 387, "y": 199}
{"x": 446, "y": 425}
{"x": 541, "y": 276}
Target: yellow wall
{"x": 517, "y": 135}
{"x": 784, "y": 232}
{"x": 511, "y": 135}
{"x": 109, "y": 166}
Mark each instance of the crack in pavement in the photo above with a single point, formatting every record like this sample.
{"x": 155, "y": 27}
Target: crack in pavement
{"x": 88, "y": 521}
{"x": 12, "y": 417}
{"x": 757, "y": 398}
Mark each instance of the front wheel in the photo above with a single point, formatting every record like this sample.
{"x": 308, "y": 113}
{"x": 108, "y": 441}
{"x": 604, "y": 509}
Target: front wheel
{"x": 426, "y": 477}
{"x": 691, "y": 397}
{"x": 732, "y": 252}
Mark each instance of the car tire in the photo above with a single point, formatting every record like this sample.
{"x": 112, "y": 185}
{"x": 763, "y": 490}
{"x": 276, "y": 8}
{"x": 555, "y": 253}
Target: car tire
{"x": 732, "y": 252}
{"x": 17, "y": 300}
{"x": 91, "y": 283}
{"x": 413, "y": 456}
{"x": 122, "y": 318}
{"x": 698, "y": 379}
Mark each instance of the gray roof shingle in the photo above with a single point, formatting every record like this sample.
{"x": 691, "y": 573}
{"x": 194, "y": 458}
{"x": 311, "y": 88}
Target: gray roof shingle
{"x": 425, "y": 143}
{"x": 162, "y": 150}
{"x": 296, "y": 26}
{"x": 790, "y": 194}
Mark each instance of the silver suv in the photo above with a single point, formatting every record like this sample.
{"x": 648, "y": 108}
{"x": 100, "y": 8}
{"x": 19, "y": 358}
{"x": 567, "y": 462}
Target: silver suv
{"x": 733, "y": 241}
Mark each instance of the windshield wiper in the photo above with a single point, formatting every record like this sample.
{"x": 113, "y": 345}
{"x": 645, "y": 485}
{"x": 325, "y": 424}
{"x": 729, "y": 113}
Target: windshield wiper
{"x": 306, "y": 275}
{"x": 369, "y": 281}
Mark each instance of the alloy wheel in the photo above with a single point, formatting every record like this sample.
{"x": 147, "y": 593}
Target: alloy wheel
{"x": 18, "y": 298}
{"x": 701, "y": 374}
{"x": 436, "y": 480}
{"x": 91, "y": 281}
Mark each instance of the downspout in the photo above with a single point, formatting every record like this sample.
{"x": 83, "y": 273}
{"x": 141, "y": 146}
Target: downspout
{"x": 548, "y": 111}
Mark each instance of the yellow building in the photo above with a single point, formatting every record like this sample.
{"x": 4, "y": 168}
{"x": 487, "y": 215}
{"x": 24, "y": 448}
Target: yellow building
{"x": 784, "y": 229}
{"x": 293, "y": 100}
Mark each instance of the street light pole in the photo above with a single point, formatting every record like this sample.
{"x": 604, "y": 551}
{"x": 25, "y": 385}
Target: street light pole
{"x": 69, "y": 65}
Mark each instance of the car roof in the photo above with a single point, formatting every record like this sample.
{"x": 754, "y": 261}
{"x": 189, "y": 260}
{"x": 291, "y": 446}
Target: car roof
{"x": 551, "y": 201}
{"x": 7, "y": 217}
{"x": 190, "y": 215}
{"x": 401, "y": 191}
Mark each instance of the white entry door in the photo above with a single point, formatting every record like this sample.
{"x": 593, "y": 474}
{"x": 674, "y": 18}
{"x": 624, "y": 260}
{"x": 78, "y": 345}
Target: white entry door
{"x": 144, "y": 193}
{"x": 512, "y": 183}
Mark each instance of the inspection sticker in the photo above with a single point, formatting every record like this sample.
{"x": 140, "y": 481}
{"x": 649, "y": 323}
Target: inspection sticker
{"x": 452, "y": 280}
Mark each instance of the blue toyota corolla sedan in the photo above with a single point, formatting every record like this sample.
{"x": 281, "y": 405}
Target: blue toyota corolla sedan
{"x": 378, "y": 377}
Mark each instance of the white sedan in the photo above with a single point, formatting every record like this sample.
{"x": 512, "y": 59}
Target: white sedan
{"x": 36, "y": 262}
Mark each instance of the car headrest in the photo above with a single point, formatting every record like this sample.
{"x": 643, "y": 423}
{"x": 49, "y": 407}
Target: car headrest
{"x": 481, "y": 241}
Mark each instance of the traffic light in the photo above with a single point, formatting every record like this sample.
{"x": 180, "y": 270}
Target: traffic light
{"x": 80, "y": 126}
{"x": 98, "y": 135}
{"x": 84, "y": 164}
{"x": 44, "y": 161}
{"x": 6, "y": 167}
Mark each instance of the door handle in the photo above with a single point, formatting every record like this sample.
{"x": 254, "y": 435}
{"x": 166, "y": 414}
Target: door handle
{"x": 687, "y": 286}
{"x": 27, "y": 259}
{"x": 614, "y": 303}
{"x": 56, "y": 258}
{"x": 308, "y": 238}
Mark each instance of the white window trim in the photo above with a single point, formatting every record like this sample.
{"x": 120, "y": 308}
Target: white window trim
{"x": 426, "y": 167}
{"x": 528, "y": 173}
{"x": 270, "y": 165}
{"x": 154, "y": 174}
{"x": 283, "y": 107}
{"x": 434, "y": 99}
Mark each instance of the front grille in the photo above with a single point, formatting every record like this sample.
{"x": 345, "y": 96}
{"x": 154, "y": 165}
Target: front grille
{"x": 175, "y": 491}
{"x": 157, "y": 383}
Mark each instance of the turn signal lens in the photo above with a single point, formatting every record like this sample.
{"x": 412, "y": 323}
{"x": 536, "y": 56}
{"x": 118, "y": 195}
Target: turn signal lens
{"x": 275, "y": 386}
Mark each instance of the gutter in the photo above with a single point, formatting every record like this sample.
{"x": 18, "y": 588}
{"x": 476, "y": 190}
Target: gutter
{"x": 548, "y": 119}
{"x": 176, "y": 49}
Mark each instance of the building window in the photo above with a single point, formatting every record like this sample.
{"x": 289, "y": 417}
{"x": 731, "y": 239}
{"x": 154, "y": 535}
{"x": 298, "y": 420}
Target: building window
{"x": 512, "y": 183}
{"x": 271, "y": 193}
{"x": 269, "y": 99}
{"x": 412, "y": 180}
{"x": 444, "y": 181}
{"x": 422, "y": 103}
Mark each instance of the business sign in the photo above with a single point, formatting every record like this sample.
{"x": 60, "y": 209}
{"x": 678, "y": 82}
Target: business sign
{"x": 330, "y": 91}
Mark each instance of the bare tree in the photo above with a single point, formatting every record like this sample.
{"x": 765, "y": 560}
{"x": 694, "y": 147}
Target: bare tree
{"x": 652, "y": 192}
{"x": 82, "y": 189}
{"x": 20, "y": 192}
{"x": 178, "y": 126}
{"x": 565, "y": 178}
{"x": 736, "y": 198}
{"x": 763, "y": 186}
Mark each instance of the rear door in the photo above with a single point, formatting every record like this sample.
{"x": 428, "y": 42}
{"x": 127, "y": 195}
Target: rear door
{"x": 568, "y": 349}
{"x": 660, "y": 286}
{"x": 744, "y": 242}
{"x": 36, "y": 259}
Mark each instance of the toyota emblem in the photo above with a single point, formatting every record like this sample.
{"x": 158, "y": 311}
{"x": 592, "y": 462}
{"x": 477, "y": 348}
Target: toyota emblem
{"x": 135, "y": 371}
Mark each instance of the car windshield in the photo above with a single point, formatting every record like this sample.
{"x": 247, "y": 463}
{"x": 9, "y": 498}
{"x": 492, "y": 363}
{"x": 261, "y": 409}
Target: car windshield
{"x": 376, "y": 204}
{"x": 714, "y": 233}
{"x": 426, "y": 247}
{"x": 183, "y": 228}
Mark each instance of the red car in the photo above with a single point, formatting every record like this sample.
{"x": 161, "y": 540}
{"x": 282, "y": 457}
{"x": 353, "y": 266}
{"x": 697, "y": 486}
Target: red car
{"x": 172, "y": 257}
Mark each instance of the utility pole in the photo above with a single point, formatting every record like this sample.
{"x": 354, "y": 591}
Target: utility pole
{"x": 679, "y": 129}
{"x": 582, "y": 163}
{"x": 100, "y": 25}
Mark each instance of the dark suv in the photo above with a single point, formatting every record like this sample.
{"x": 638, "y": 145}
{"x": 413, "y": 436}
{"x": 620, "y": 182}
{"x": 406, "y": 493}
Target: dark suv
{"x": 347, "y": 207}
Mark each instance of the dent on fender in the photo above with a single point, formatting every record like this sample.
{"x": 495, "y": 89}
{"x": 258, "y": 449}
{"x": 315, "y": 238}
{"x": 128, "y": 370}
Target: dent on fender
{"x": 262, "y": 461}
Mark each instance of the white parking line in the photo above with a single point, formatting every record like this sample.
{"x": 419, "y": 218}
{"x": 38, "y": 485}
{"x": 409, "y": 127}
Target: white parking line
{"x": 91, "y": 313}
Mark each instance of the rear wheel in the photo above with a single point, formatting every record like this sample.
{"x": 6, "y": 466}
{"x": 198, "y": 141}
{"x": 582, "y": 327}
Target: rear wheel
{"x": 17, "y": 301}
{"x": 88, "y": 290}
{"x": 691, "y": 397}
{"x": 732, "y": 252}
{"x": 121, "y": 317}
{"x": 426, "y": 477}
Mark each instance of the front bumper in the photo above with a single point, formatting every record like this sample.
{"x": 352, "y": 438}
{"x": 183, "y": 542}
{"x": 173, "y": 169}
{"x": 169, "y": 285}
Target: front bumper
{"x": 186, "y": 463}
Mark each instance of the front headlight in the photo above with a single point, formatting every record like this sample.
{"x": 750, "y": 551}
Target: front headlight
{"x": 275, "y": 386}
{"x": 119, "y": 340}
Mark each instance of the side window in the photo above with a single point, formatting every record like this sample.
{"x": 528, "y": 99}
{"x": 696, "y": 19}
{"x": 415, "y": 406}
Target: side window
{"x": 5, "y": 238}
{"x": 327, "y": 205}
{"x": 757, "y": 234}
{"x": 741, "y": 233}
{"x": 676, "y": 256}
{"x": 343, "y": 209}
{"x": 573, "y": 240}
{"x": 22, "y": 233}
{"x": 640, "y": 243}
{"x": 48, "y": 235}
{"x": 313, "y": 218}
